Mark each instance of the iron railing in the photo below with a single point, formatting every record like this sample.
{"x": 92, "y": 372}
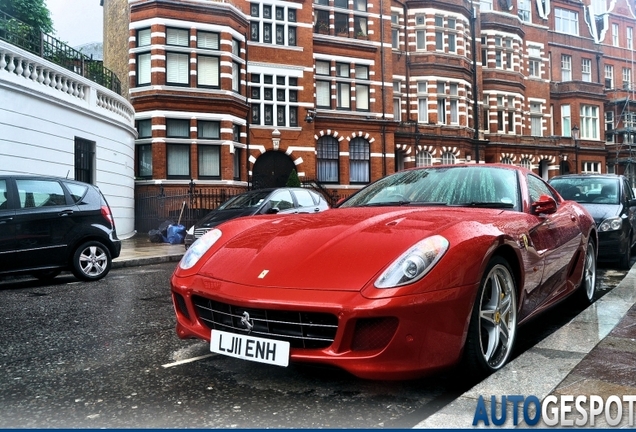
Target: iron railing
{"x": 46, "y": 46}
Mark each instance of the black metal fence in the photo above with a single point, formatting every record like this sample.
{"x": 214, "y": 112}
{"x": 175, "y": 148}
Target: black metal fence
{"x": 28, "y": 38}
{"x": 184, "y": 206}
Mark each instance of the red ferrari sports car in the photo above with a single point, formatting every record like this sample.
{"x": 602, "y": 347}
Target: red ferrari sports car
{"x": 420, "y": 270}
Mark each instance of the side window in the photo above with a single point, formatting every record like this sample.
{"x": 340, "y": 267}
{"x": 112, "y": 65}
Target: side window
{"x": 304, "y": 198}
{"x": 282, "y": 200}
{"x": 77, "y": 191}
{"x": 4, "y": 203}
{"x": 40, "y": 193}
{"x": 629, "y": 194}
{"x": 536, "y": 188}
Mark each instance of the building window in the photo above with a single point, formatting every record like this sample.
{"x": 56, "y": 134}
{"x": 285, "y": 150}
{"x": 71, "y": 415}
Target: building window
{"x": 177, "y": 69}
{"x": 510, "y": 121}
{"x": 395, "y": 30}
{"x": 143, "y": 71}
{"x": 500, "y": 114}
{"x": 586, "y": 70}
{"x": 341, "y": 24}
{"x": 360, "y": 27}
{"x": 144, "y": 160}
{"x": 566, "y": 121}
{"x": 207, "y": 40}
{"x": 439, "y": 33}
{"x": 526, "y": 163}
{"x": 536, "y": 119}
{"x": 524, "y": 11}
{"x": 208, "y": 74}
{"x": 209, "y": 161}
{"x": 84, "y": 160}
{"x": 422, "y": 102}
{"x": 589, "y": 122}
{"x": 630, "y": 38}
{"x": 485, "y": 117}
{"x": 360, "y": 5}
{"x": 178, "y": 156}
{"x": 208, "y": 129}
{"x": 327, "y": 159}
{"x": 144, "y": 129}
{"x": 503, "y": 53}
{"x": 236, "y": 76}
{"x": 609, "y": 126}
{"x": 177, "y": 37}
{"x": 441, "y": 103}
{"x": 448, "y": 158}
{"x": 506, "y": 160}
{"x": 566, "y": 68}
{"x": 451, "y": 35}
{"x": 177, "y": 128}
{"x": 627, "y": 79}
{"x": 609, "y": 76}
{"x": 274, "y": 100}
{"x": 273, "y": 29}
{"x": 615, "y": 35}
{"x": 237, "y": 163}
{"x": 485, "y": 5}
{"x": 534, "y": 62}
{"x": 359, "y": 160}
{"x": 454, "y": 104}
{"x": 343, "y": 95}
{"x": 591, "y": 167}
{"x": 566, "y": 21}
{"x": 423, "y": 158}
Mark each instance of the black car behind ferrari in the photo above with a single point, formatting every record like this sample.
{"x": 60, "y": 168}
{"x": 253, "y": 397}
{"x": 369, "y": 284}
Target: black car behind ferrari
{"x": 610, "y": 200}
{"x": 259, "y": 201}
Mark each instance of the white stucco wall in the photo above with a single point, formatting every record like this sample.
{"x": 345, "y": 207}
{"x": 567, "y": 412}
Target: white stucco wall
{"x": 39, "y": 122}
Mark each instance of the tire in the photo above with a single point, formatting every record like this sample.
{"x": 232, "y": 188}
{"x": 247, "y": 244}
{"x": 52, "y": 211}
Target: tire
{"x": 493, "y": 322}
{"x": 587, "y": 289}
{"x": 91, "y": 261}
{"x": 47, "y": 275}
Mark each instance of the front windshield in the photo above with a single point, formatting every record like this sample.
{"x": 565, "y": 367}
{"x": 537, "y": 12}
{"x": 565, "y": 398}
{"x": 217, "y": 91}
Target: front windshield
{"x": 478, "y": 186}
{"x": 587, "y": 190}
{"x": 247, "y": 200}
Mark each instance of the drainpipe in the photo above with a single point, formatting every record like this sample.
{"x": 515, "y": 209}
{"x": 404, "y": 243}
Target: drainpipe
{"x": 247, "y": 122}
{"x": 383, "y": 90}
{"x": 475, "y": 88}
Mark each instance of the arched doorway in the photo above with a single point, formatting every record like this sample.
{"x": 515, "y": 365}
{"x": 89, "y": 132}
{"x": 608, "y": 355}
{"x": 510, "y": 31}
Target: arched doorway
{"x": 272, "y": 169}
{"x": 544, "y": 165}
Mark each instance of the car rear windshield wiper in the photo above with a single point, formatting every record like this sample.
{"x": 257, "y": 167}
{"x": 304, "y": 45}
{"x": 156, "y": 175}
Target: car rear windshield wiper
{"x": 486, "y": 204}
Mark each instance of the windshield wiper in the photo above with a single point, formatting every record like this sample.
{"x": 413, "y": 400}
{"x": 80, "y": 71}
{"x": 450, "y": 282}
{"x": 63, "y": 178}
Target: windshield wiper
{"x": 403, "y": 203}
{"x": 486, "y": 204}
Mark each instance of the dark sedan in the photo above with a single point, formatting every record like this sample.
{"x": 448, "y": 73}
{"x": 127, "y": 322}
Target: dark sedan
{"x": 260, "y": 201}
{"x": 610, "y": 200}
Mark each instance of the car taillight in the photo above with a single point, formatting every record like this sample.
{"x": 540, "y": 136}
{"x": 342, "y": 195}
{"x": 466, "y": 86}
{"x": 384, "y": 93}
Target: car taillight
{"x": 108, "y": 215}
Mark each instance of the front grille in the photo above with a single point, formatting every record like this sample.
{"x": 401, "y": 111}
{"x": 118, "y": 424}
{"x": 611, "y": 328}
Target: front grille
{"x": 311, "y": 330}
{"x": 198, "y": 232}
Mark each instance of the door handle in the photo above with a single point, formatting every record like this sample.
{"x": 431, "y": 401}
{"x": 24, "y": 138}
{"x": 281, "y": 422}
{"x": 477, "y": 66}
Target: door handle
{"x": 6, "y": 219}
{"x": 65, "y": 213}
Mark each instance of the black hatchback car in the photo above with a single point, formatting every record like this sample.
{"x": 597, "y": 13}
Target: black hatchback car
{"x": 50, "y": 224}
{"x": 610, "y": 200}
{"x": 259, "y": 201}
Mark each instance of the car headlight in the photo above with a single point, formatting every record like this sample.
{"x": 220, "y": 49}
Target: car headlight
{"x": 199, "y": 248}
{"x": 611, "y": 224}
{"x": 413, "y": 264}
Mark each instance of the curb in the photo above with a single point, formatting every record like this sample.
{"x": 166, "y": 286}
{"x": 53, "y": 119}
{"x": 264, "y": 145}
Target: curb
{"x": 136, "y": 262}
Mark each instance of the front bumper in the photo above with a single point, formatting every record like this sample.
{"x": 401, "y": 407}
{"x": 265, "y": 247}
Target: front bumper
{"x": 612, "y": 245}
{"x": 427, "y": 331}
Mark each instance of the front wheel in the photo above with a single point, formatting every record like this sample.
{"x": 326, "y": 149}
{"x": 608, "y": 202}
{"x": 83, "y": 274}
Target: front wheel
{"x": 587, "y": 289}
{"x": 493, "y": 323}
{"x": 91, "y": 261}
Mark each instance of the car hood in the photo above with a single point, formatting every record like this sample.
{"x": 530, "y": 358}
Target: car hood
{"x": 216, "y": 217}
{"x": 600, "y": 212}
{"x": 340, "y": 249}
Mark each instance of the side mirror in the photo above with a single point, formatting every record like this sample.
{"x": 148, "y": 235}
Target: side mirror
{"x": 273, "y": 210}
{"x": 631, "y": 203}
{"x": 340, "y": 201}
{"x": 544, "y": 205}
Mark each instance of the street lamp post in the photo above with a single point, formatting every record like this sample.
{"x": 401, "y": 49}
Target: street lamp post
{"x": 575, "y": 136}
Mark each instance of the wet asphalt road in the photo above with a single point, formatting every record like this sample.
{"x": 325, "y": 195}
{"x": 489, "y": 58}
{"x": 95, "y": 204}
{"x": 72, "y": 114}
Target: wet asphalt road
{"x": 105, "y": 354}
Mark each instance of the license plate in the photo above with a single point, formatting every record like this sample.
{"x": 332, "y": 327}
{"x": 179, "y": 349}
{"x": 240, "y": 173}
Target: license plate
{"x": 250, "y": 348}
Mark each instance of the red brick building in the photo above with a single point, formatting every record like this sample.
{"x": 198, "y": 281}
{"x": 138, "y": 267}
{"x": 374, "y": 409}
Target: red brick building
{"x": 237, "y": 94}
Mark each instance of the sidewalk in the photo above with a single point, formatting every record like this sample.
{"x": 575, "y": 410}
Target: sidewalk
{"x": 138, "y": 250}
{"x": 594, "y": 354}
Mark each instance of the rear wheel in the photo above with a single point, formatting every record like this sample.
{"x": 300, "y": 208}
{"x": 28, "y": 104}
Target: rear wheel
{"x": 588, "y": 284}
{"x": 91, "y": 261}
{"x": 493, "y": 323}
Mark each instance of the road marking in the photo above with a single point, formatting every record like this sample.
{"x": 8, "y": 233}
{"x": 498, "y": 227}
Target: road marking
{"x": 190, "y": 360}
